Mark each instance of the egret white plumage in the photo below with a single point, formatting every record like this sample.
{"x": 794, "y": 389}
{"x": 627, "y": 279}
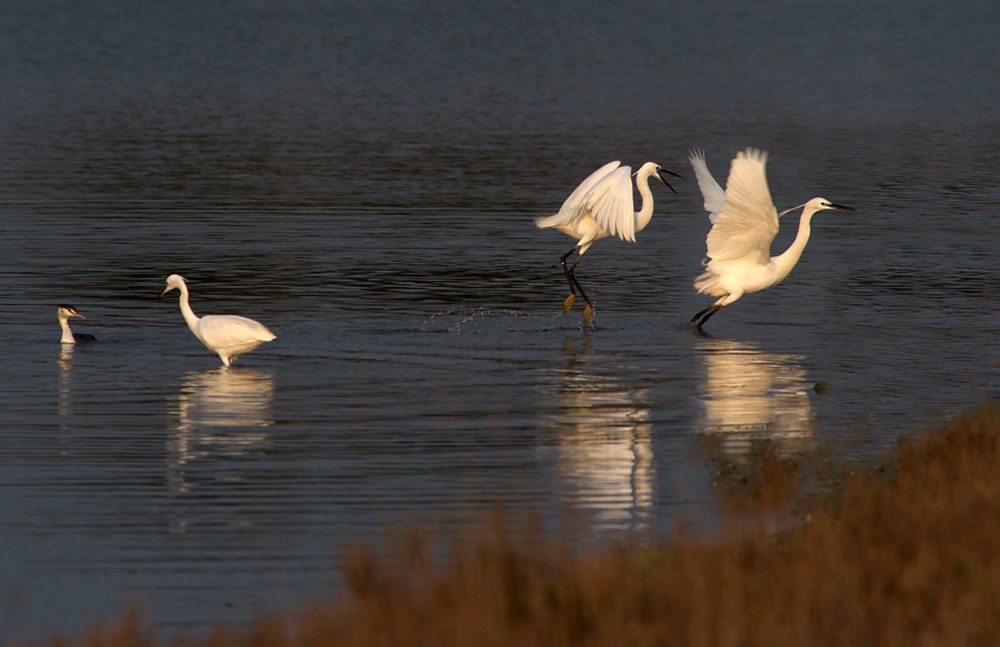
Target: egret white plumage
{"x": 227, "y": 335}
{"x": 744, "y": 223}
{"x": 64, "y": 313}
{"x": 600, "y": 207}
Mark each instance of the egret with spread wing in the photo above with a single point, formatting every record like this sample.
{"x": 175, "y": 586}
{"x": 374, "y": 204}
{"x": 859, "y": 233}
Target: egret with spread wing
{"x": 600, "y": 207}
{"x": 744, "y": 222}
{"x": 227, "y": 335}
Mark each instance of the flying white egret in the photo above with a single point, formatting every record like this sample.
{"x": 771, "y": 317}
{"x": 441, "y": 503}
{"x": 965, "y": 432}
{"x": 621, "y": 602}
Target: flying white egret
{"x": 744, "y": 222}
{"x": 602, "y": 206}
{"x": 64, "y": 313}
{"x": 227, "y": 335}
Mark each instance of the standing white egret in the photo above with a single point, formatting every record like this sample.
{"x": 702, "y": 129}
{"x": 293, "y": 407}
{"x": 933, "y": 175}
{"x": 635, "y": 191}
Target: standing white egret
{"x": 744, "y": 222}
{"x": 64, "y": 313}
{"x": 602, "y": 206}
{"x": 227, "y": 335}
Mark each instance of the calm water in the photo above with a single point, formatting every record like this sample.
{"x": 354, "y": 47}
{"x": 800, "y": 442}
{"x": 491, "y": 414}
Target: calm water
{"x": 362, "y": 178}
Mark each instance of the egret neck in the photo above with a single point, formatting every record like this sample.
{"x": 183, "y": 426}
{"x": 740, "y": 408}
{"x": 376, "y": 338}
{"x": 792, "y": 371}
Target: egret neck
{"x": 645, "y": 214}
{"x": 784, "y": 263}
{"x": 189, "y": 316}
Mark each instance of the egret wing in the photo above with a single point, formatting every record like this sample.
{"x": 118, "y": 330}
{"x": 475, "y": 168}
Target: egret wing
{"x": 747, "y": 221}
{"x": 226, "y": 331}
{"x": 610, "y": 203}
{"x": 710, "y": 189}
{"x": 574, "y": 206}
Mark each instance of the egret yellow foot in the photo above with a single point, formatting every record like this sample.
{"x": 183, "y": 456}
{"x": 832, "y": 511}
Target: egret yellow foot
{"x": 588, "y": 314}
{"x": 568, "y": 303}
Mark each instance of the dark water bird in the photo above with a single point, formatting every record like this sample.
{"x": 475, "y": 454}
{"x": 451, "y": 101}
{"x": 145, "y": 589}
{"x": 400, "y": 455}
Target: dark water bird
{"x": 64, "y": 313}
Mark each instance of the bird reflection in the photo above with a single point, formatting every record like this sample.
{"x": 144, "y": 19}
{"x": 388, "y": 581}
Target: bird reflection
{"x": 750, "y": 394}
{"x": 219, "y": 412}
{"x": 65, "y": 402}
{"x": 604, "y": 451}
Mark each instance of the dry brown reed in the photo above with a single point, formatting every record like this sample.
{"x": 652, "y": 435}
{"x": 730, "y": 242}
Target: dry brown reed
{"x": 912, "y": 559}
{"x": 765, "y": 480}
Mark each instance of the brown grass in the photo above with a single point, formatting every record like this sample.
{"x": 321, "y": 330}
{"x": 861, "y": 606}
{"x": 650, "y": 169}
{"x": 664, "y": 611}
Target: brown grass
{"x": 912, "y": 559}
{"x": 764, "y": 480}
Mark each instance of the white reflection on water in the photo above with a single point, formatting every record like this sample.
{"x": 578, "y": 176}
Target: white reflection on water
{"x": 65, "y": 401}
{"x": 750, "y": 394}
{"x": 219, "y": 413}
{"x": 604, "y": 452}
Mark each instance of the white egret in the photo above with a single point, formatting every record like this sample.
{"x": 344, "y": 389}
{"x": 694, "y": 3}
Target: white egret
{"x": 64, "y": 313}
{"x": 600, "y": 207}
{"x": 227, "y": 335}
{"x": 744, "y": 222}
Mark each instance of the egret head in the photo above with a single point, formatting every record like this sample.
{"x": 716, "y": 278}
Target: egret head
{"x": 655, "y": 170}
{"x": 174, "y": 281}
{"x": 818, "y": 204}
{"x": 65, "y": 312}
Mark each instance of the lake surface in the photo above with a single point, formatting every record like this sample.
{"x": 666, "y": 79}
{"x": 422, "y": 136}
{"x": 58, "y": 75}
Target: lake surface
{"x": 362, "y": 178}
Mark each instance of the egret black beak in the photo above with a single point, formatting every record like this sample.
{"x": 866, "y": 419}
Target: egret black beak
{"x": 840, "y": 206}
{"x": 659, "y": 174}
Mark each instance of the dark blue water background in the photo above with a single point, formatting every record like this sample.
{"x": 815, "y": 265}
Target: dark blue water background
{"x": 362, "y": 178}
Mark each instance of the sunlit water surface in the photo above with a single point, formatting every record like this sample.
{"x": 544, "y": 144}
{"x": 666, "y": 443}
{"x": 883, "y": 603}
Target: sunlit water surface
{"x": 362, "y": 178}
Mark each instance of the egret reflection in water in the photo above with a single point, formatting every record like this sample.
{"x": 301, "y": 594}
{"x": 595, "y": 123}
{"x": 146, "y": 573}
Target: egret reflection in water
{"x": 749, "y": 394}
{"x": 604, "y": 451}
{"x": 219, "y": 412}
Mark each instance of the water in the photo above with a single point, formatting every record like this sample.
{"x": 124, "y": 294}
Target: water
{"x": 362, "y": 178}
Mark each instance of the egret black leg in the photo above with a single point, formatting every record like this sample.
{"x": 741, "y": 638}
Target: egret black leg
{"x": 580, "y": 290}
{"x": 700, "y": 313}
{"x": 705, "y": 315}
{"x": 569, "y": 271}
{"x": 575, "y": 287}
